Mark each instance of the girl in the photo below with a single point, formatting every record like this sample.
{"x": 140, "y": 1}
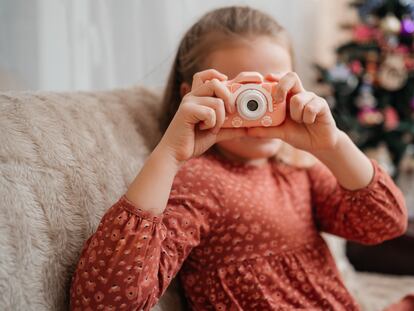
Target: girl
{"x": 224, "y": 206}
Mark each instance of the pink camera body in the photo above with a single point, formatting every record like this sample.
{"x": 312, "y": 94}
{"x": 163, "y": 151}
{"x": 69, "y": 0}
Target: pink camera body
{"x": 255, "y": 106}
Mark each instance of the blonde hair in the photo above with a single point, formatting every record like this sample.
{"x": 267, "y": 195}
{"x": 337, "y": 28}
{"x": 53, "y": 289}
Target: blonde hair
{"x": 211, "y": 31}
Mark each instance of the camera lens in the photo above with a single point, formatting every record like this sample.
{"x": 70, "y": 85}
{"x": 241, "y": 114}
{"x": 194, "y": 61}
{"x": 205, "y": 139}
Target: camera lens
{"x": 252, "y": 105}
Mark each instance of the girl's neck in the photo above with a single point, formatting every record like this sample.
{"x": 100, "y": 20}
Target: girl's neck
{"x": 233, "y": 157}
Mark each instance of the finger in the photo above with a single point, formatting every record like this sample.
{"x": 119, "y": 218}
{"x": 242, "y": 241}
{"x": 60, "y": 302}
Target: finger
{"x": 297, "y": 104}
{"x": 218, "y": 105}
{"x": 226, "y": 134}
{"x": 199, "y": 113}
{"x": 218, "y": 89}
{"x": 311, "y": 110}
{"x": 290, "y": 83}
{"x": 200, "y": 77}
{"x": 274, "y": 77}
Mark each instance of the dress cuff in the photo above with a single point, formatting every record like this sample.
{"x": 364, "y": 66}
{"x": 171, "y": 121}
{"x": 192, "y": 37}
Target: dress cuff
{"x": 131, "y": 207}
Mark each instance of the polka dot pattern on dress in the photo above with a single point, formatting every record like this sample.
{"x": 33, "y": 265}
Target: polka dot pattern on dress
{"x": 243, "y": 237}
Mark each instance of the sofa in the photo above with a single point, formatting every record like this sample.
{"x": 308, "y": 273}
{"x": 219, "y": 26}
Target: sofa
{"x": 65, "y": 158}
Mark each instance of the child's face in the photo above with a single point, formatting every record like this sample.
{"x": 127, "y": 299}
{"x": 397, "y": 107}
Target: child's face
{"x": 262, "y": 55}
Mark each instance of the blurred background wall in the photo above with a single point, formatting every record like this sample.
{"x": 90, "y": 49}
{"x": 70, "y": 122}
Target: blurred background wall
{"x": 77, "y": 44}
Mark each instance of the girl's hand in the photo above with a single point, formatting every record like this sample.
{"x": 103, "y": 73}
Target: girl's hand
{"x": 197, "y": 122}
{"x": 309, "y": 124}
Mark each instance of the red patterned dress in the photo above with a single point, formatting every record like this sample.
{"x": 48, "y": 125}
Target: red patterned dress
{"x": 243, "y": 237}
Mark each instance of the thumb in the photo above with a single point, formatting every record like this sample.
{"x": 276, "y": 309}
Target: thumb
{"x": 225, "y": 134}
{"x": 267, "y": 132}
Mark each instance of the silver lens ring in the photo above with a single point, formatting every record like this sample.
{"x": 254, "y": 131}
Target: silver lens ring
{"x": 248, "y": 99}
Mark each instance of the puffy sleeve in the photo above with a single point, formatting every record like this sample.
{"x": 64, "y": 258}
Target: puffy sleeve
{"x": 129, "y": 261}
{"x": 369, "y": 215}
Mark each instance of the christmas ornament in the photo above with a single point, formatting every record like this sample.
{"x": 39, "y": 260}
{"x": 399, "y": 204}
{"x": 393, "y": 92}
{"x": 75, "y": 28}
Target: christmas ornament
{"x": 402, "y": 49}
{"x": 409, "y": 63}
{"x": 339, "y": 73}
{"x": 392, "y": 42}
{"x": 356, "y": 67}
{"x": 392, "y": 74}
{"x": 364, "y": 33}
{"x": 407, "y": 26}
{"x": 391, "y": 24}
{"x": 365, "y": 98}
{"x": 342, "y": 76}
{"x": 370, "y": 116}
{"x": 391, "y": 119}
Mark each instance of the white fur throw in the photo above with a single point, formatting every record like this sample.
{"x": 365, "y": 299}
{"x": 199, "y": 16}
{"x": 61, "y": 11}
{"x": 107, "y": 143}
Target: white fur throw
{"x": 65, "y": 158}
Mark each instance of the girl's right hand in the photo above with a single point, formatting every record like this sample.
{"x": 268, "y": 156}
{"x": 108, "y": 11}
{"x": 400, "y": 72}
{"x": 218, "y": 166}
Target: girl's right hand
{"x": 197, "y": 123}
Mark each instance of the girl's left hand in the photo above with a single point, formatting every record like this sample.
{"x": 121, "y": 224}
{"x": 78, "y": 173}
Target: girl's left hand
{"x": 309, "y": 124}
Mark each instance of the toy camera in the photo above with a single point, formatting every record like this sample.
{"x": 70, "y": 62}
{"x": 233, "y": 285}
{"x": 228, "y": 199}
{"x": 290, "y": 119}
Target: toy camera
{"x": 255, "y": 106}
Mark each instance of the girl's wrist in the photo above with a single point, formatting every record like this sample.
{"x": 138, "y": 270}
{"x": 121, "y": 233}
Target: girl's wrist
{"x": 151, "y": 188}
{"x": 351, "y": 167}
{"x": 342, "y": 143}
{"x": 163, "y": 153}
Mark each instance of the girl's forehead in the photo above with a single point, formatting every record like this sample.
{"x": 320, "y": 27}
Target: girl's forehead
{"x": 262, "y": 55}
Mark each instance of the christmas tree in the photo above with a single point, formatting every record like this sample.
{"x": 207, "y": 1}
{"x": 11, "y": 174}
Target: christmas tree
{"x": 371, "y": 88}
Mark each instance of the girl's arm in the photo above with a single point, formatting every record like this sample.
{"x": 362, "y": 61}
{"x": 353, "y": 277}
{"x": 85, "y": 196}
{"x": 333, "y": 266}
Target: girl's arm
{"x": 351, "y": 167}
{"x": 353, "y": 197}
{"x": 194, "y": 128}
{"x": 132, "y": 257}
{"x": 151, "y": 187}
{"x": 368, "y": 215}
{"x": 143, "y": 239}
